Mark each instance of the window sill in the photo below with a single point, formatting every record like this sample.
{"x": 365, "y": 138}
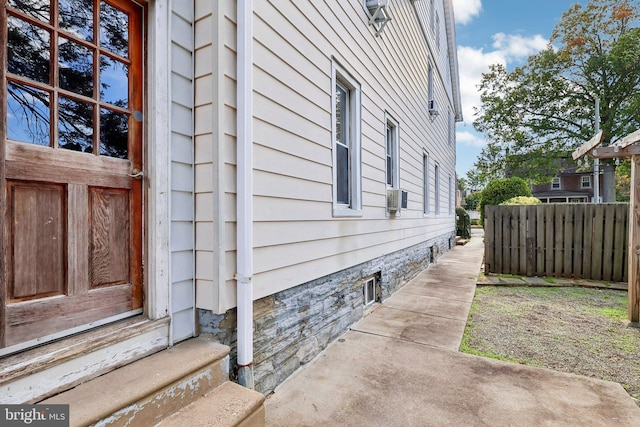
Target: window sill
{"x": 346, "y": 213}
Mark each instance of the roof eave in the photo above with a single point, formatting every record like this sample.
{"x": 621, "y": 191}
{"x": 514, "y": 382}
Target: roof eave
{"x": 453, "y": 58}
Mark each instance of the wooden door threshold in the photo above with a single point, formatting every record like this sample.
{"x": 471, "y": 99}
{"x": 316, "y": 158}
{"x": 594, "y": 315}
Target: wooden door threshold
{"x": 37, "y": 373}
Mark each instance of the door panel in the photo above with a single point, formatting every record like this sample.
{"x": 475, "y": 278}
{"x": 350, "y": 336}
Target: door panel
{"x": 71, "y": 136}
{"x": 109, "y": 237}
{"x": 29, "y": 320}
{"x": 37, "y": 236}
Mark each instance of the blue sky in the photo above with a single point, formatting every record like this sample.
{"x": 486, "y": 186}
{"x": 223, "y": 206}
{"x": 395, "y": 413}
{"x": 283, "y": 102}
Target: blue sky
{"x": 495, "y": 31}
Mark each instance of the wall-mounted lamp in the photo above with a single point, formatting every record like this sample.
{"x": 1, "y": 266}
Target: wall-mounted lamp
{"x": 378, "y": 14}
{"x": 433, "y": 108}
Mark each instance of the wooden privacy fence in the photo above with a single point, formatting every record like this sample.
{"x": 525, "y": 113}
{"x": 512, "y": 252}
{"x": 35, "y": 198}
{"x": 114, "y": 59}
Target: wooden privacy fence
{"x": 580, "y": 241}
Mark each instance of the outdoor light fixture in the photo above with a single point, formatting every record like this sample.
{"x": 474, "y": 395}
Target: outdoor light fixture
{"x": 378, "y": 14}
{"x": 433, "y": 108}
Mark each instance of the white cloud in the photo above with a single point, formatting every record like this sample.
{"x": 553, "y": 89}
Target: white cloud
{"x": 517, "y": 47}
{"x": 470, "y": 139}
{"x": 473, "y": 62}
{"x": 465, "y": 10}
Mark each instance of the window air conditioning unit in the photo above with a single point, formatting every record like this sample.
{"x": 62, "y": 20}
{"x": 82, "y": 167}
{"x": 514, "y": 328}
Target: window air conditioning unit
{"x": 397, "y": 200}
{"x": 378, "y": 14}
{"x": 433, "y": 107}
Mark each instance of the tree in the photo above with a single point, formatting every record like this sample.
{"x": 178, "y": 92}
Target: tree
{"x": 623, "y": 181}
{"x": 463, "y": 223}
{"x": 472, "y": 201}
{"x": 462, "y": 184}
{"x": 490, "y": 165}
{"x": 546, "y": 107}
{"x": 501, "y": 190}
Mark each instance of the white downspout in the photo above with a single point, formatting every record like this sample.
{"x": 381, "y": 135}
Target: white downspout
{"x": 244, "y": 166}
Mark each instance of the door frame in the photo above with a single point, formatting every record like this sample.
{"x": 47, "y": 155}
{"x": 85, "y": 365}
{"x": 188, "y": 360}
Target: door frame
{"x": 156, "y": 188}
{"x": 138, "y": 336}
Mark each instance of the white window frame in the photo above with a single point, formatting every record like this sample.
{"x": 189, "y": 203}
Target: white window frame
{"x": 339, "y": 76}
{"x": 432, "y": 12}
{"x": 436, "y": 183}
{"x": 430, "y": 89}
{"x": 437, "y": 30}
{"x": 369, "y": 296}
{"x": 451, "y": 129}
{"x": 392, "y": 151}
{"x": 450, "y": 195}
{"x": 556, "y": 183}
{"x": 587, "y": 181}
{"x": 425, "y": 184}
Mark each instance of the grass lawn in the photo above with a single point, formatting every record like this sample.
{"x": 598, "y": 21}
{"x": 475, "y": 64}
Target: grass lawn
{"x": 576, "y": 330}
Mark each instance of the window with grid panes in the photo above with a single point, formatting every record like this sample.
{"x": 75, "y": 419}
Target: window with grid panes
{"x": 73, "y": 77}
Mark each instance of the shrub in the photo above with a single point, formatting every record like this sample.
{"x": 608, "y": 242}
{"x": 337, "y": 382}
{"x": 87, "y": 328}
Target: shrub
{"x": 500, "y": 190}
{"x": 463, "y": 223}
{"x": 472, "y": 201}
{"x": 521, "y": 201}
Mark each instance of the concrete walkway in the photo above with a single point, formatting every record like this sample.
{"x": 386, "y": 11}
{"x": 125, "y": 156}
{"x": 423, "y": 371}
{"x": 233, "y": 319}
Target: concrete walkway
{"x": 400, "y": 366}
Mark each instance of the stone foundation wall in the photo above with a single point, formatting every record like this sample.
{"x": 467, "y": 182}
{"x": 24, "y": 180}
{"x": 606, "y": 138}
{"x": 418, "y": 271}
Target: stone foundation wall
{"x": 295, "y": 325}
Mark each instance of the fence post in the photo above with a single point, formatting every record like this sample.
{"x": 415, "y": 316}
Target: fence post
{"x": 634, "y": 242}
{"x": 489, "y": 241}
{"x": 530, "y": 221}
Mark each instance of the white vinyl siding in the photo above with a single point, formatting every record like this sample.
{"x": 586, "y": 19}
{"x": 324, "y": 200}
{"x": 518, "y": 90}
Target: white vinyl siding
{"x": 182, "y": 187}
{"x": 427, "y": 11}
{"x": 214, "y": 156}
{"x": 299, "y": 50}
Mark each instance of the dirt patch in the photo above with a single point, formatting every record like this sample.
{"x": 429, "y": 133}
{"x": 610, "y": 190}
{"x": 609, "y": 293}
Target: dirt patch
{"x": 575, "y": 330}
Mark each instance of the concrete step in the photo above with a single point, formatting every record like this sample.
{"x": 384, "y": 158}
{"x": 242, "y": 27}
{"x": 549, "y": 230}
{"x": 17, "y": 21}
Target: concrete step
{"x": 147, "y": 391}
{"x": 228, "y": 405}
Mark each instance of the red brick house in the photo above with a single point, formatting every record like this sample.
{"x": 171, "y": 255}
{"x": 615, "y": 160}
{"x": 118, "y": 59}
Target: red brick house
{"x": 572, "y": 185}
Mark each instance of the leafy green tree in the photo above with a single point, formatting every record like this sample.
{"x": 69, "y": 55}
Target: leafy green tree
{"x": 463, "y": 224}
{"x": 547, "y": 106}
{"x": 490, "y": 165}
{"x": 521, "y": 201}
{"x": 472, "y": 201}
{"x": 500, "y": 190}
{"x": 623, "y": 181}
{"x": 462, "y": 183}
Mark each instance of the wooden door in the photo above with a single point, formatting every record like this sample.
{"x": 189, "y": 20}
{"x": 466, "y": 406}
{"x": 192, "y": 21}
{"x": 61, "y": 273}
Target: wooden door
{"x": 71, "y": 153}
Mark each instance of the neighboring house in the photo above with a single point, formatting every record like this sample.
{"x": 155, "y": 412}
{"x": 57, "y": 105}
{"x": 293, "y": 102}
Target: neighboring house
{"x": 572, "y": 185}
{"x": 165, "y": 162}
